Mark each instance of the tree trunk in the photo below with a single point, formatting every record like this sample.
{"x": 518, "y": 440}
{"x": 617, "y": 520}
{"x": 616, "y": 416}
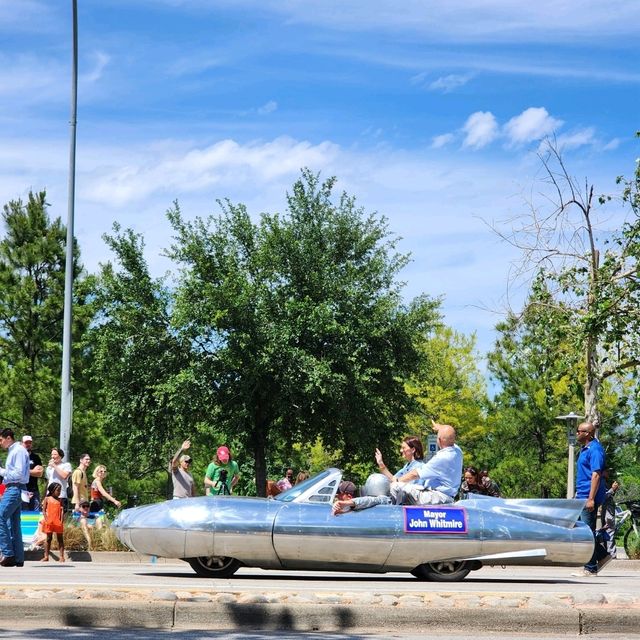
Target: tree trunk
{"x": 592, "y": 377}
{"x": 259, "y": 452}
{"x": 591, "y": 389}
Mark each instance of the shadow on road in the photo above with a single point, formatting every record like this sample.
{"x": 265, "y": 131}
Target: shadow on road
{"x": 261, "y": 577}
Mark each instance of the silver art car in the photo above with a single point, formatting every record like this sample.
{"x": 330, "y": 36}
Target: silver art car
{"x": 297, "y": 530}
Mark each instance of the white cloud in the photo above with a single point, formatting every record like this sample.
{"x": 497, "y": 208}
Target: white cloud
{"x": 480, "y": 128}
{"x": 492, "y": 21}
{"x": 101, "y": 62}
{"x": 29, "y": 79}
{"x": 532, "y": 124}
{"x": 268, "y": 107}
{"x": 198, "y": 62}
{"x": 442, "y": 141}
{"x": 612, "y": 144}
{"x": 449, "y": 83}
{"x": 375, "y": 133}
{"x": 419, "y": 78}
{"x": 27, "y": 16}
{"x": 225, "y": 162}
{"x": 576, "y": 139}
{"x": 489, "y": 60}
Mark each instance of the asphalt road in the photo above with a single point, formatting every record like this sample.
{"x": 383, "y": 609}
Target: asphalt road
{"x": 619, "y": 576}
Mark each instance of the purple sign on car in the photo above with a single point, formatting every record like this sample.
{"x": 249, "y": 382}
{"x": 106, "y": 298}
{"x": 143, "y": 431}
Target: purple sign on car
{"x": 435, "y": 519}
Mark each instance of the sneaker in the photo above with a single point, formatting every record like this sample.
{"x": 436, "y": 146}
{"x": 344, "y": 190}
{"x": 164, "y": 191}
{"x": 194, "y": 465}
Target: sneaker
{"x": 585, "y": 573}
{"x": 604, "y": 562}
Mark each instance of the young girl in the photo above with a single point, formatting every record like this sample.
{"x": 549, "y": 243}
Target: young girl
{"x": 53, "y": 512}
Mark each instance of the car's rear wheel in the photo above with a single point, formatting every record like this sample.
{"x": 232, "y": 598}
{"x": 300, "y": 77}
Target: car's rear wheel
{"x": 445, "y": 571}
{"x": 214, "y": 566}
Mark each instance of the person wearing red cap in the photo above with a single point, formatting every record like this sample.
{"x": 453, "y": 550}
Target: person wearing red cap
{"x": 222, "y": 474}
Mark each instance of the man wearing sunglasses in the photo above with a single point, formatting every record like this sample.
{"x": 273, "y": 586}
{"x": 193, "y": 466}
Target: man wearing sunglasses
{"x": 180, "y": 470}
{"x": 590, "y": 487}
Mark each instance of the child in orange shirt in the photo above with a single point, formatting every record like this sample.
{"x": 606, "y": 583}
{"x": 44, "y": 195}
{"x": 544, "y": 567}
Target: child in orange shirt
{"x": 52, "y": 511}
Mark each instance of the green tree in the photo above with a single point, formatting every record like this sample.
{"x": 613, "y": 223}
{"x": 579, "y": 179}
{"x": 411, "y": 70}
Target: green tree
{"x": 590, "y": 272}
{"x": 537, "y": 372}
{"x": 526, "y": 446}
{"x": 449, "y": 387}
{"x": 32, "y": 261}
{"x": 297, "y": 322}
{"x": 142, "y": 366}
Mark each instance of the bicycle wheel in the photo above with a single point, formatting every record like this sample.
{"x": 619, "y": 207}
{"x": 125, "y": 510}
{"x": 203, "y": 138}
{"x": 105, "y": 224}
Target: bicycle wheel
{"x": 631, "y": 542}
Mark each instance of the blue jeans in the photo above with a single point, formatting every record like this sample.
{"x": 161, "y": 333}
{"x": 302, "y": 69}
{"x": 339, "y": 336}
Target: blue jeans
{"x": 589, "y": 518}
{"x": 10, "y": 531}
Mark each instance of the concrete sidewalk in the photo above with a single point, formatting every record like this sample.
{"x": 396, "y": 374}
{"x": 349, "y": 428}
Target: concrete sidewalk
{"x": 211, "y": 606}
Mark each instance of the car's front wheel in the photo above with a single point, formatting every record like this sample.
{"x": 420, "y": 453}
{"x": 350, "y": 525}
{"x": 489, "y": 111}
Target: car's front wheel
{"x": 445, "y": 571}
{"x": 214, "y": 566}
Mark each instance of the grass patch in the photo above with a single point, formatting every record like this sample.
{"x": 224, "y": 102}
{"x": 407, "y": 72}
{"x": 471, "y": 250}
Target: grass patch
{"x": 103, "y": 539}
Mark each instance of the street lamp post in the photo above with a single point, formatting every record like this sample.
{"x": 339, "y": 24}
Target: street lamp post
{"x": 66, "y": 396}
{"x": 571, "y": 422}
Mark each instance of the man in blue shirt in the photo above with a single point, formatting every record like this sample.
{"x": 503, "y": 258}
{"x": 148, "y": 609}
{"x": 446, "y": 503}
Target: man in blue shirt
{"x": 589, "y": 485}
{"x": 16, "y": 476}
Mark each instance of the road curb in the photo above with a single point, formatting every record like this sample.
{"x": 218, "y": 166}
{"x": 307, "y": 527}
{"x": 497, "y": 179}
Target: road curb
{"x": 78, "y": 613}
{"x": 367, "y": 618}
{"x": 218, "y": 616}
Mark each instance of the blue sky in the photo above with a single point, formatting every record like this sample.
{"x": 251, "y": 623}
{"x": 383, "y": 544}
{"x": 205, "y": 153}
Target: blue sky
{"x": 430, "y": 113}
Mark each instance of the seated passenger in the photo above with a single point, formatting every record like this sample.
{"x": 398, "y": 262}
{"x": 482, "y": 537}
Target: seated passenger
{"x": 346, "y": 490}
{"x": 438, "y": 480}
{"x": 411, "y": 450}
{"x": 374, "y": 492}
{"x": 478, "y": 482}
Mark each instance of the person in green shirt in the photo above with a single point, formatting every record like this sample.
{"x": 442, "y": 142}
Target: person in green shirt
{"x": 222, "y": 474}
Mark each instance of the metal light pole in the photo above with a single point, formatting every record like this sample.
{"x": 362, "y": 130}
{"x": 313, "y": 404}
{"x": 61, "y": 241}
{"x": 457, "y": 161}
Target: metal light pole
{"x": 571, "y": 422}
{"x": 66, "y": 398}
